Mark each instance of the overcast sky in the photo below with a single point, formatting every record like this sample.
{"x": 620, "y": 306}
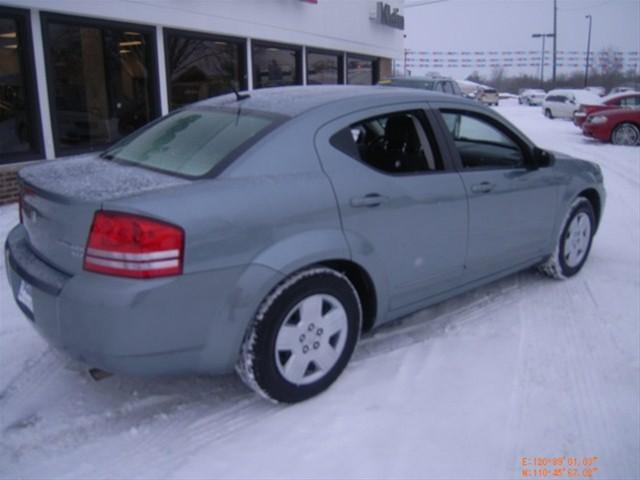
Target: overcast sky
{"x": 507, "y": 25}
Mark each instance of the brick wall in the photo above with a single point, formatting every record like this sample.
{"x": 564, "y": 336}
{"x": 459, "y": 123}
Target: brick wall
{"x": 8, "y": 184}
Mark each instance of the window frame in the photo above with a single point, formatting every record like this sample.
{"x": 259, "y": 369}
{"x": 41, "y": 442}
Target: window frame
{"x": 46, "y": 18}
{"x": 426, "y": 120}
{"x": 267, "y": 44}
{"x": 241, "y": 43}
{"x": 22, "y": 18}
{"x": 522, "y": 143}
{"x": 319, "y": 51}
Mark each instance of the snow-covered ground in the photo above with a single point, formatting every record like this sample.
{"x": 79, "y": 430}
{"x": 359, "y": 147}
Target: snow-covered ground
{"x": 525, "y": 367}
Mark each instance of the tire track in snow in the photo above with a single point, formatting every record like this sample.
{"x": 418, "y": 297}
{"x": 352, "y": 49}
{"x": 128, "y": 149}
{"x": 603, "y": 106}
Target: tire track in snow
{"x": 438, "y": 319}
{"x": 38, "y": 371}
{"x": 556, "y": 392}
{"x": 158, "y": 449}
{"x": 594, "y": 398}
{"x": 545, "y": 401}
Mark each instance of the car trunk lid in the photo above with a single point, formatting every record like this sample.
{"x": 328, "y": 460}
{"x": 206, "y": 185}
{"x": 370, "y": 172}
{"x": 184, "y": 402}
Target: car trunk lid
{"x": 60, "y": 198}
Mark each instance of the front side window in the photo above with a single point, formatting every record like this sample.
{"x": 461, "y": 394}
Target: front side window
{"x": 18, "y": 121}
{"x": 200, "y": 67}
{"x": 396, "y": 143}
{"x": 361, "y": 71}
{"x": 275, "y": 66}
{"x": 191, "y": 142}
{"x": 100, "y": 81}
{"x": 480, "y": 143}
{"x": 324, "y": 68}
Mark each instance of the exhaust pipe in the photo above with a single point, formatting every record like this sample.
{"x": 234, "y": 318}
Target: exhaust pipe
{"x": 96, "y": 374}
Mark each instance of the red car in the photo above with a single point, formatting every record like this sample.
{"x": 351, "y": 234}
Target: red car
{"x": 620, "y": 126}
{"x": 627, "y": 99}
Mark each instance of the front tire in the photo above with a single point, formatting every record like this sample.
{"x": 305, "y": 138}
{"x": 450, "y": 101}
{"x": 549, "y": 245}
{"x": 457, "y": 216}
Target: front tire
{"x": 626, "y": 134}
{"x": 574, "y": 244}
{"x": 303, "y": 336}
{"x": 548, "y": 114}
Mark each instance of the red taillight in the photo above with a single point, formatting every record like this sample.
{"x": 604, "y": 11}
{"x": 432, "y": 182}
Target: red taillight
{"x": 131, "y": 246}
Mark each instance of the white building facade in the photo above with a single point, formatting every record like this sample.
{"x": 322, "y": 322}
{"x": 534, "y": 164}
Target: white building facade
{"x": 78, "y": 75}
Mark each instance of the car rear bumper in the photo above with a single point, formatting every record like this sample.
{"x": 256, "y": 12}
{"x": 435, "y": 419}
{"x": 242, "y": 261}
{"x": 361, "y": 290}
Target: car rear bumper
{"x": 186, "y": 323}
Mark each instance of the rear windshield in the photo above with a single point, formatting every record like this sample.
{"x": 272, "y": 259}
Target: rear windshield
{"x": 193, "y": 141}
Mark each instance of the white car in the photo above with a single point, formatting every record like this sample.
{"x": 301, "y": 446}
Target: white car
{"x": 531, "y": 96}
{"x": 563, "y": 103}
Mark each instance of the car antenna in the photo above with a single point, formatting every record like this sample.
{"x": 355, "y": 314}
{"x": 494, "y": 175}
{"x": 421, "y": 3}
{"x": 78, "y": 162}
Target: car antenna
{"x": 239, "y": 96}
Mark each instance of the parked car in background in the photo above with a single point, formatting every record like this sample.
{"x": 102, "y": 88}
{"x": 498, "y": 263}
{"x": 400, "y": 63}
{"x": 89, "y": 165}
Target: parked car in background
{"x": 263, "y": 232}
{"x": 563, "y": 103}
{"x": 531, "y": 96}
{"x": 619, "y": 100}
{"x": 600, "y": 91}
{"x": 620, "y": 126}
{"x": 625, "y": 88}
{"x": 487, "y": 96}
{"x": 433, "y": 83}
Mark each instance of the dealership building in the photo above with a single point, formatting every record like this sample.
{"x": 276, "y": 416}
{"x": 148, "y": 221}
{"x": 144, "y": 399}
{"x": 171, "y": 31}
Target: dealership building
{"x": 77, "y": 75}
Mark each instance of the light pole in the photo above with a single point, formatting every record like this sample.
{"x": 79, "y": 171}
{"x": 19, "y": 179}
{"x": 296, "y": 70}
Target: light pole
{"x": 543, "y": 36}
{"x": 586, "y": 69}
{"x": 555, "y": 39}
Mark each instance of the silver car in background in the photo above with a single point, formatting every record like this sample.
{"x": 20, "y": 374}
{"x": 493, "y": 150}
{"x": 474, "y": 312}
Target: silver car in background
{"x": 264, "y": 233}
{"x": 531, "y": 96}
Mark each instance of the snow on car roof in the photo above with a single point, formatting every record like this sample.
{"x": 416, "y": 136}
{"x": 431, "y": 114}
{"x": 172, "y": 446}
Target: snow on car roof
{"x": 293, "y": 101}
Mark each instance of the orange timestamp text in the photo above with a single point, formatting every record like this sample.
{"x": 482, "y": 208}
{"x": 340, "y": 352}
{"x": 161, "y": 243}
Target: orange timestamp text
{"x": 558, "y": 467}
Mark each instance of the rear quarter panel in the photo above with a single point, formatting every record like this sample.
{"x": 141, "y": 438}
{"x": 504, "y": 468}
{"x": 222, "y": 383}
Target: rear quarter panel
{"x": 273, "y": 212}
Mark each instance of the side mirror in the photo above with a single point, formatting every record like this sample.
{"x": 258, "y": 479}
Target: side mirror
{"x": 541, "y": 158}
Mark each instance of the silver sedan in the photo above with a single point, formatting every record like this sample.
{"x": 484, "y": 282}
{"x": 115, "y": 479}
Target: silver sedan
{"x": 264, "y": 232}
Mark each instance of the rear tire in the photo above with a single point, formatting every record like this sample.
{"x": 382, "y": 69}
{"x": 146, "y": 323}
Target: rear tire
{"x": 626, "y": 134}
{"x": 303, "y": 336}
{"x": 574, "y": 243}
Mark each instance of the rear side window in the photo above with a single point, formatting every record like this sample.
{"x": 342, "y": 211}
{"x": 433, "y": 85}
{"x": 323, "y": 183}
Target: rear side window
{"x": 192, "y": 142}
{"x": 396, "y": 143}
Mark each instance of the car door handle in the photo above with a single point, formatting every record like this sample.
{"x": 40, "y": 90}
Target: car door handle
{"x": 369, "y": 200}
{"x": 484, "y": 187}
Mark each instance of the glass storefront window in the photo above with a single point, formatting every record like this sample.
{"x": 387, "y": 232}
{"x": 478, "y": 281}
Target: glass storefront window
{"x": 324, "y": 68}
{"x": 361, "y": 71}
{"x": 100, "y": 82}
{"x": 275, "y": 66}
{"x": 19, "y": 133}
{"x": 200, "y": 67}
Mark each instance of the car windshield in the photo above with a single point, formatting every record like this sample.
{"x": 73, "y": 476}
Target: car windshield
{"x": 191, "y": 142}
